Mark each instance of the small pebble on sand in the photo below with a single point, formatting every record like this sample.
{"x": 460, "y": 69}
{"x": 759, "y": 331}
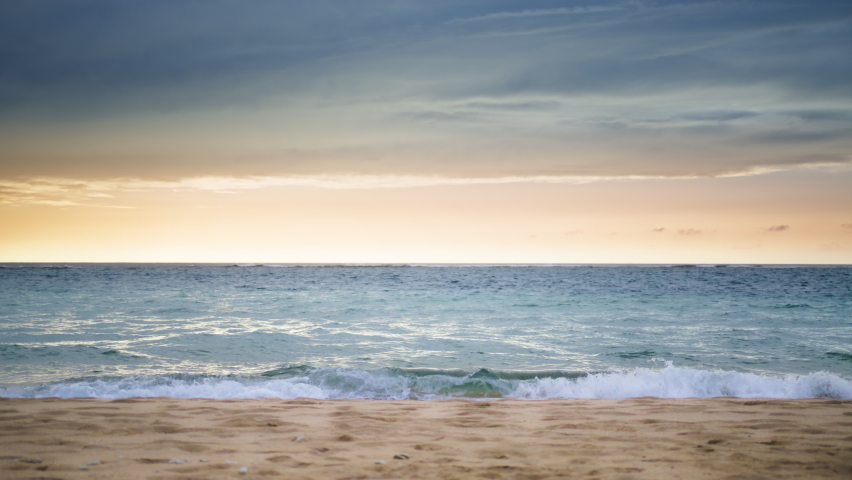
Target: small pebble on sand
{"x": 243, "y": 470}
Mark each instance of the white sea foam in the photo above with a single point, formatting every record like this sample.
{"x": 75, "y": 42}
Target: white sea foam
{"x": 326, "y": 383}
{"x": 675, "y": 382}
{"x": 210, "y": 387}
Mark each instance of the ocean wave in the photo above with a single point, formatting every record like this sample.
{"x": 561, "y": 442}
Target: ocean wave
{"x": 396, "y": 384}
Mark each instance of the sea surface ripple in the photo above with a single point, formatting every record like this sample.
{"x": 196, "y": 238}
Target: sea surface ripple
{"x": 224, "y": 331}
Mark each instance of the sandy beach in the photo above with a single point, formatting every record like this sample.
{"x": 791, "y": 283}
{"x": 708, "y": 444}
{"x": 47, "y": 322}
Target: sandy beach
{"x": 349, "y": 439}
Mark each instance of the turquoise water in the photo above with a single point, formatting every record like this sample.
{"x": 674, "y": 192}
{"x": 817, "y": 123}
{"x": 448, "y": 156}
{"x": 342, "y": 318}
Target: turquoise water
{"x": 425, "y": 331}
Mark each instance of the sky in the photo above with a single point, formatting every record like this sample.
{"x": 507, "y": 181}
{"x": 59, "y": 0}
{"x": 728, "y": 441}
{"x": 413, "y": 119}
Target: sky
{"x": 413, "y": 131}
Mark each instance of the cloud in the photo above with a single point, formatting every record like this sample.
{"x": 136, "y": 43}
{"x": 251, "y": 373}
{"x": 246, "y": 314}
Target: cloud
{"x": 690, "y": 88}
{"x": 658, "y": 230}
{"x": 47, "y": 190}
{"x": 643, "y": 46}
{"x": 717, "y": 115}
{"x": 777, "y": 228}
{"x": 537, "y": 13}
{"x": 513, "y": 106}
{"x": 437, "y": 116}
{"x": 690, "y": 231}
{"x": 56, "y": 193}
{"x": 846, "y": 225}
{"x": 68, "y": 192}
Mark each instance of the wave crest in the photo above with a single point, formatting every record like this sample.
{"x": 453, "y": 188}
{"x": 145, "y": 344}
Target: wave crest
{"x": 397, "y": 384}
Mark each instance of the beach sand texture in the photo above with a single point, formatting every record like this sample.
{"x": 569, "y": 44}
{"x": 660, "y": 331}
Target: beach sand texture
{"x": 649, "y": 438}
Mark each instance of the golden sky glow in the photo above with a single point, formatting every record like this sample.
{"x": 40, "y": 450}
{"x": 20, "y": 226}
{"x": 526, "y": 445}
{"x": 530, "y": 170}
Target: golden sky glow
{"x": 789, "y": 217}
{"x": 541, "y": 131}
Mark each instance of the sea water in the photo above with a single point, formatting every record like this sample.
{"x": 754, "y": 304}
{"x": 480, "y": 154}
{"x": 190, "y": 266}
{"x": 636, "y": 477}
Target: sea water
{"x": 425, "y": 332}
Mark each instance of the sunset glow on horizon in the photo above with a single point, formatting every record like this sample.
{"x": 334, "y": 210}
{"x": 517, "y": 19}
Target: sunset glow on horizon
{"x": 426, "y": 132}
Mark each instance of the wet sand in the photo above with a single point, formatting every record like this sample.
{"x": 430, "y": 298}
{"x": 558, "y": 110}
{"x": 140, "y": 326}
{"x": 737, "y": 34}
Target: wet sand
{"x": 643, "y": 438}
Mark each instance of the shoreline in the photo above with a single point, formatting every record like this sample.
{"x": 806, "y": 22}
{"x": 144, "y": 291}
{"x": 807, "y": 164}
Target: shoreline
{"x": 164, "y": 437}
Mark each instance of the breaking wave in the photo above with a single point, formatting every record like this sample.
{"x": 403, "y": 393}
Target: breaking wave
{"x": 336, "y": 383}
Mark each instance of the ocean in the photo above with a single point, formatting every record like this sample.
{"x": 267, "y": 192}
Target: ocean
{"x": 425, "y": 331}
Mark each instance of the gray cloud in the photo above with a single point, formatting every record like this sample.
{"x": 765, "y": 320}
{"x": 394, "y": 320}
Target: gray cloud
{"x": 690, "y": 231}
{"x": 531, "y": 106}
{"x": 717, "y": 115}
{"x": 538, "y": 13}
{"x": 437, "y": 116}
{"x": 777, "y": 228}
{"x": 127, "y": 46}
{"x": 479, "y": 87}
{"x": 658, "y": 230}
